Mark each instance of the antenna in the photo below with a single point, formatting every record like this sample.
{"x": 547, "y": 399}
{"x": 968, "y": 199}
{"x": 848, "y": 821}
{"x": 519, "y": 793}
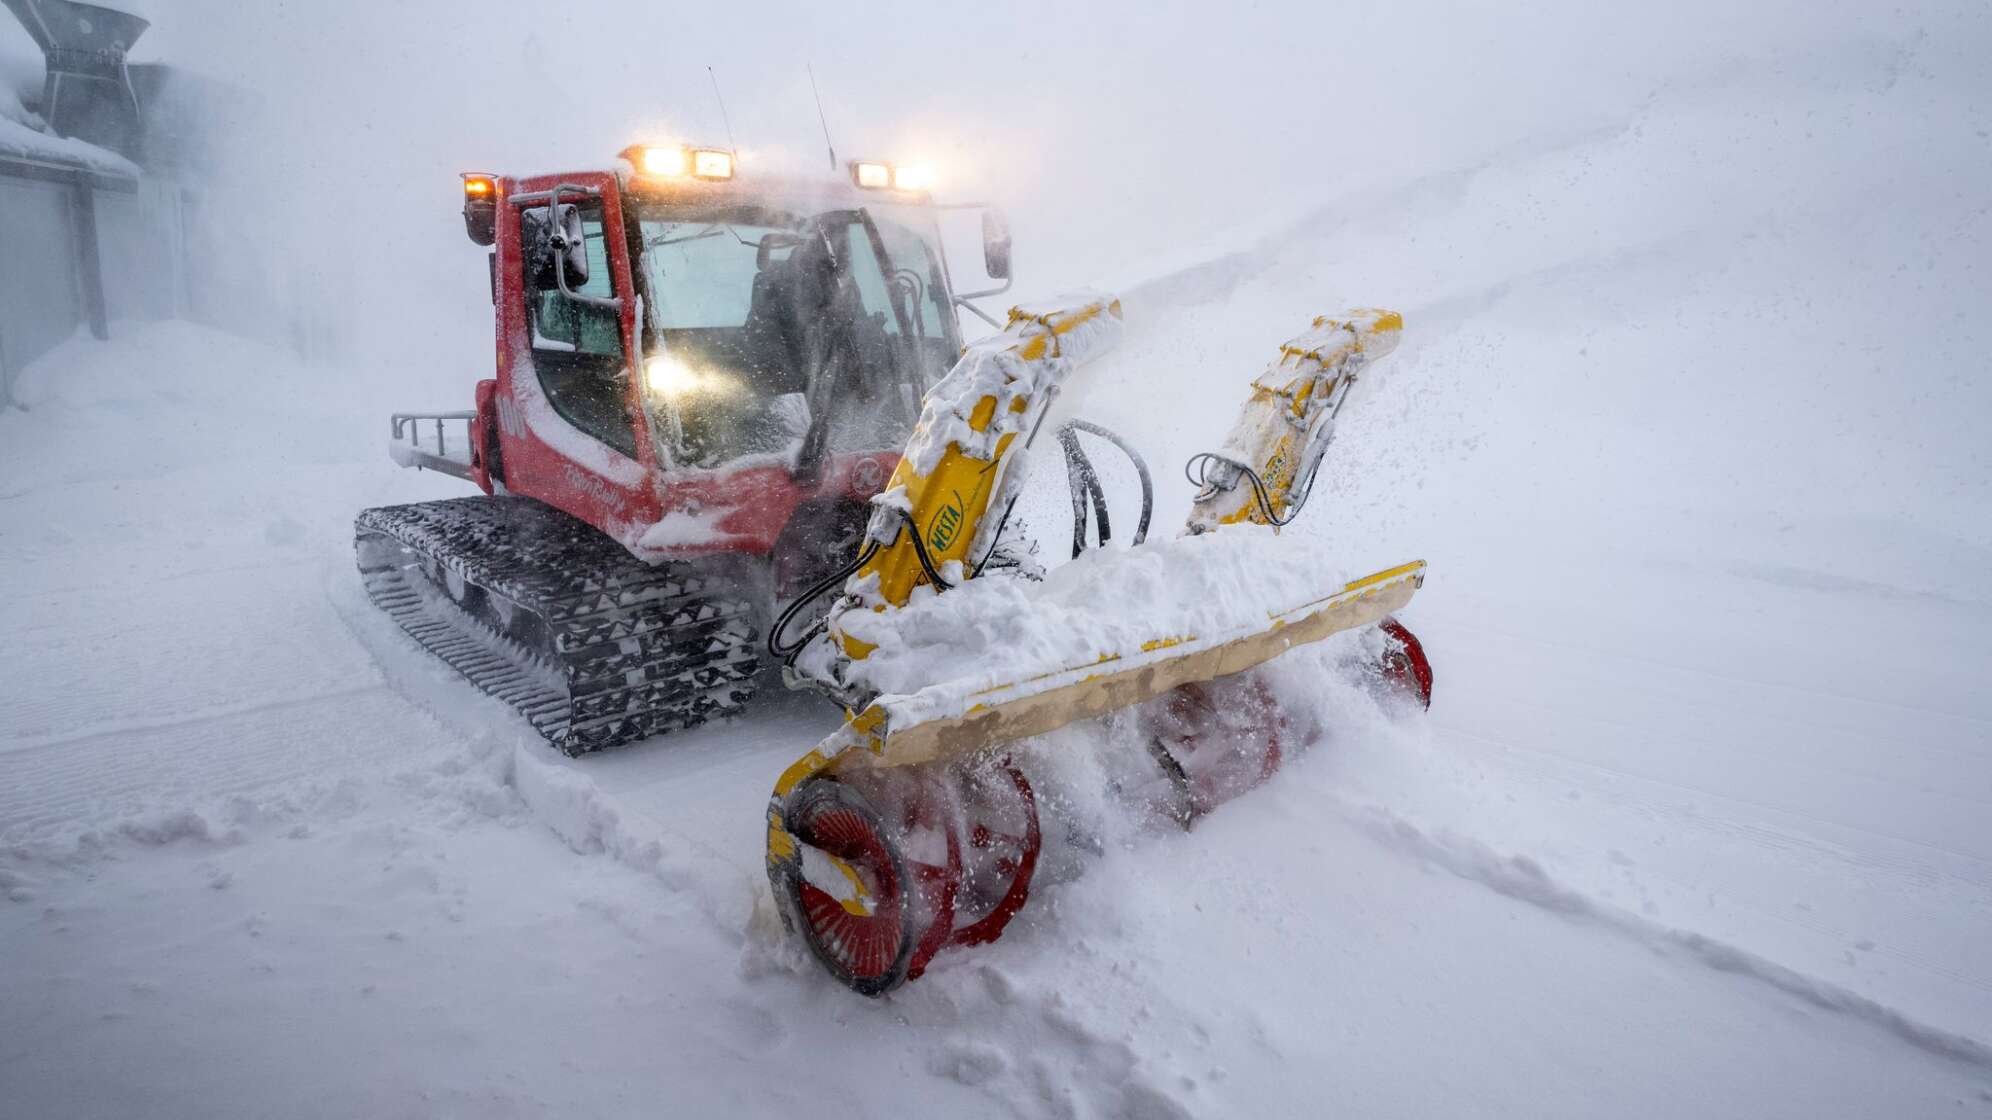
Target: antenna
{"x": 723, "y": 119}
{"x": 819, "y": 115}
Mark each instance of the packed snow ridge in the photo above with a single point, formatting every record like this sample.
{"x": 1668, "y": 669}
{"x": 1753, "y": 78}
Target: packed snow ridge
{"x": 1001, "y": 628}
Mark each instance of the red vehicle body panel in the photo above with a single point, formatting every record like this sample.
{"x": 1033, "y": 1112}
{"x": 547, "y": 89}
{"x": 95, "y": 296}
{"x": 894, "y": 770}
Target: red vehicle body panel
{"x": 484, "y": 434}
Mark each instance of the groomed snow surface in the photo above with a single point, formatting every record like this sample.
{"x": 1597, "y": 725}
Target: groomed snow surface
{"x": 1700, "y": 822}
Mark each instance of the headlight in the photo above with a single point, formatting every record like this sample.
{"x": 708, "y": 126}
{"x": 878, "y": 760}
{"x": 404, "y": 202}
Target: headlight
{"x": 668, "y": 377}
{"x": 669, "y": 163}
{"x": 675, "y": 381}
{"x": 872, "y": 175}
{"x": 710, "y": 163}
{"x": 675, "y": 161}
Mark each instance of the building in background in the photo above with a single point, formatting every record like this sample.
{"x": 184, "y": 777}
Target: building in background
{"x": 98, "y": 168}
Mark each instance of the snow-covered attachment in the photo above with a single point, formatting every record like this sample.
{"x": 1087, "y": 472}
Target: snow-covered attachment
{"x": 955, "y": 469}
{"x": 1266, "y": 470}
{"x": 931, "y": 518}
{"x": 909, "y": 829}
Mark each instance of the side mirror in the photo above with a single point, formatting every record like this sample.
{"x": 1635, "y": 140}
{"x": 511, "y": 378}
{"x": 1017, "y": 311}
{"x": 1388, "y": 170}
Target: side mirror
{"x": 769, "y": 245}
{"x": 996, "y": 244}
{"x": 555, "y": 248}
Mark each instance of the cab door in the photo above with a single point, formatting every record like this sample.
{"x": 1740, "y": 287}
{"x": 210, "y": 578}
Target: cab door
{"x": 570, "y": 412}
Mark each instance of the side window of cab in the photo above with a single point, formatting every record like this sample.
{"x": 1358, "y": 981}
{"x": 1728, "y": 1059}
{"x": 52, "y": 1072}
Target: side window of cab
{"x": 578, "y": 349}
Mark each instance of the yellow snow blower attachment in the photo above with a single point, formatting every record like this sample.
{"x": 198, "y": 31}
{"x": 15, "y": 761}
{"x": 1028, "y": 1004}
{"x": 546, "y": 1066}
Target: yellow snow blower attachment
{"x": 884, "y": 846}
{"x": 1278, "y": 441}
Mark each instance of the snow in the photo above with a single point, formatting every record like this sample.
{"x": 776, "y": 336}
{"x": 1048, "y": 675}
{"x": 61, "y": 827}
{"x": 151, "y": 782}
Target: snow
{"x": 1001, "y": 629}
{"x": 1687, "y": 416}
{"x": 680, "y": 528}
{"x": 13, "y": 111}
{"x": 22, "y": 137}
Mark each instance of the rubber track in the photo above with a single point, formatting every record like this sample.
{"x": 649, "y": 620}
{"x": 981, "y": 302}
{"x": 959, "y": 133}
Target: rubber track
{"x": 591, "y": 645}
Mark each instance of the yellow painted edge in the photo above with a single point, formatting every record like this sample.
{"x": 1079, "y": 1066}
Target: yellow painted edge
{"x": 781, "y": 845}
{"x": 1387, "y": 575}
{"x": 855, "y": 907}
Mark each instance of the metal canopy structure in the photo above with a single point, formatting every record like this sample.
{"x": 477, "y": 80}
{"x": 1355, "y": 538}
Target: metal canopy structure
{"x": 68, "y": 208}
{"x": 88, "y": 93}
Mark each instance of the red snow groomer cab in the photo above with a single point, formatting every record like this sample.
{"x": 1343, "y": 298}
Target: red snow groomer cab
{"x": 702, "y": 377}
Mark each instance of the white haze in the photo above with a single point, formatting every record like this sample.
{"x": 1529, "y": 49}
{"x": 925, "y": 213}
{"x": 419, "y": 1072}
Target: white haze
{"x": 1690, "y": 418}
{"x": 1125, "y": 140}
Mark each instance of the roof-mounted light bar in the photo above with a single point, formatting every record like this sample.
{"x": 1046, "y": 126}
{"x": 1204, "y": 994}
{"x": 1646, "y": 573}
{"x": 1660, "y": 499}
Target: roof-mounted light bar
{"x": 912, "y": 178}
{"x": 711, "y": 163}
{"x": 873, "y": 175}
{"x": 680, "y": 161}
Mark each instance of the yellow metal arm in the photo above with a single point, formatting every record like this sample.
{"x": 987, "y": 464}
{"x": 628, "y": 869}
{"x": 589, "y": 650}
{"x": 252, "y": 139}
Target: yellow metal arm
{"x": 955, "y": 467}
{"x": 1286, "y": 425}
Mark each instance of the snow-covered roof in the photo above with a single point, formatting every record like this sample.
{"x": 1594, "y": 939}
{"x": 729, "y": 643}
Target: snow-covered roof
{"x": 19, "y": 141}
{"x": 21, "y": 131}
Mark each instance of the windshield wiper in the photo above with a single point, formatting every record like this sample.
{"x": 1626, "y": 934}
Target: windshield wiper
{"x": 709, "y": 231}
{"x": 714, "y": 230}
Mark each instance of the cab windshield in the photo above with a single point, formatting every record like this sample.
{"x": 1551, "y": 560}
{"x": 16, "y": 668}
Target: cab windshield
{"x": 775, "y": 333}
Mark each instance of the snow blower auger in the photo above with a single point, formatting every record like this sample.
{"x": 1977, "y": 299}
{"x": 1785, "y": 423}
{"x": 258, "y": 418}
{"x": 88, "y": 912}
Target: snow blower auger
{"x": 909, "y": 829}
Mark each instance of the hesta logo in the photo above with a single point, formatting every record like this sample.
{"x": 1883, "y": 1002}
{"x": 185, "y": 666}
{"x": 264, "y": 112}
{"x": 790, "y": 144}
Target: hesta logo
{"x": 946, "y": 524}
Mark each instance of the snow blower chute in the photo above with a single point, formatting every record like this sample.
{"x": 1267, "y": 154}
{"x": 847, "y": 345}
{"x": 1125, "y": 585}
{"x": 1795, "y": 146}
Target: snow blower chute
{"x": 910, "y": 829}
